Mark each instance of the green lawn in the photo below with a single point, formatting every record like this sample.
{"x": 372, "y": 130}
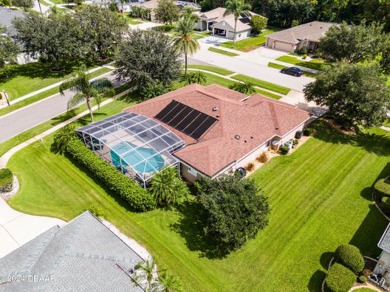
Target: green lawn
{"x": 131, "y": 20}
{"x": 27, "y": 78}
{"x": 313, "y": 64}
{"x": 263, "y": 84}
{"x": 251, "y": 43}
{"x": 319, "y": 197}
{"x": 278, "y": 66}
{"x": 223, "y": 52}
{"x": 44, "y": 94}
{"x": 214, "y": 69}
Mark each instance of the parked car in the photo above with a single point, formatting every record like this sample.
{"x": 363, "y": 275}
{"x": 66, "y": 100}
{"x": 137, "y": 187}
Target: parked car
{"x": 292, "y": 71}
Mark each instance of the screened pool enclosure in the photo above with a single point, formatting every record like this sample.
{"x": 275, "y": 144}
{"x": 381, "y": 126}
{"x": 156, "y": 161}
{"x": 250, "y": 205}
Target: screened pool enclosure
{"x": 136, "y": 145}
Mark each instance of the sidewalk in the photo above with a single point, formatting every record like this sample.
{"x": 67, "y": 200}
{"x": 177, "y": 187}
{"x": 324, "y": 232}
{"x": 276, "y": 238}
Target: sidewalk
{"x": 49, "y": 87}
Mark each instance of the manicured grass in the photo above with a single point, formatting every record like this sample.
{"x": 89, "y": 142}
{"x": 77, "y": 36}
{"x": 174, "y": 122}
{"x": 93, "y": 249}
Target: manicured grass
{"x": 319, "y": 197}
{"x": 251, "y": 43}
{"x": 223, "y": 52}
{"x": 313, "y": 64}
{"x": 268, "y": 94}
{"x": 45, "y": 94}
{"x": 27, "y": 78}
{"x": 131, "y": 20}
{"x": 214, "y": 69}
{"x": 280, "y": 67}
{"x": 263, "y": 84}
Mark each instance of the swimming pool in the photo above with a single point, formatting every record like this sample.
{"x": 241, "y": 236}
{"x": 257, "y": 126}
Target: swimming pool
{"x": 134, "y": 155}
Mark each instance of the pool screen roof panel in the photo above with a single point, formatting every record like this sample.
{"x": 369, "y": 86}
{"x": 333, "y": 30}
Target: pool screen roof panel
{"x": 186, "y": 119}
{"x": 140, "y": 133}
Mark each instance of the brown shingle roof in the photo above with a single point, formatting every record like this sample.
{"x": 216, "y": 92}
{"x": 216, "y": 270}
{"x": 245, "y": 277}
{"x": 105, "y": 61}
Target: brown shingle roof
{"x": 312, "y": 31}
{"x": 255, "y": 119}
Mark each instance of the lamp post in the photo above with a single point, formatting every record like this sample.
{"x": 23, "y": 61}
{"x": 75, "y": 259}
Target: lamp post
{"x": 6, "y": 97}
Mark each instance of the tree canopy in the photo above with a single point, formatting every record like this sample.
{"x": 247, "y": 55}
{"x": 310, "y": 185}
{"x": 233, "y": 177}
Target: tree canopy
{"x": 234, "y": 210}
{"x": 8, "y": 48}
{"x": 146, "y": 57}
{"x": 167, "y": 11}
{"x": 354, "y": 43}
{"x": 355, "y": 94}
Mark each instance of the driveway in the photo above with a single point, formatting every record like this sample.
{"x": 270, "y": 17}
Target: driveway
{"x": 17, "y": 228}
{"x": 213, "y": 40}
{"x": 145, "y": 25}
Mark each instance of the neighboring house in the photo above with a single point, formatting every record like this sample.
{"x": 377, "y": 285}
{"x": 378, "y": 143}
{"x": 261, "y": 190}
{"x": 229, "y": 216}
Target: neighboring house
{"x": 383, "y": 266}
{"x": 215, "y": 21}
{"x": 206, "y": 131}
{"x": 295, "y": 38}
{"x": 7, "y": 16}
{"x": 83, "y": 255}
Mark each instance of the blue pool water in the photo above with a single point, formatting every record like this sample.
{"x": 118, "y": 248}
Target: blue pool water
{"x": 133, "y": 157}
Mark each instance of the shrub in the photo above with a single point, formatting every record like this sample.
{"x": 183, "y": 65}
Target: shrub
{"x": 284, "y": 149}
{"x": 250, "y": 166}
{"x": 349, "y": 256}
{"x": 382, "y": 186}
{"x": 258, "y": 23}
{"x": 295, "y": 142}
{"x": 308, "y": 131}
{"x": 6, "y": 179}
{"x": 97, "y": 211}
{"x": 362, "y": 279}
{"x": 304, "y": 56}
{"x": 138, "y": 199}
{"x": 263, "y": 158}
{"x": 339, "y": 279}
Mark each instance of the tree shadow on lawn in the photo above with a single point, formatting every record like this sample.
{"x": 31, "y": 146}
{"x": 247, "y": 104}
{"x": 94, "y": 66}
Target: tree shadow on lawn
{"x": 371, "y": 142}
{"x": 190, "y": 227}
{"x": 316, "y": 281}
{"x": 367, "y": 192}
{"x": 369, "y": 232}
{"x": 325, "y": 259}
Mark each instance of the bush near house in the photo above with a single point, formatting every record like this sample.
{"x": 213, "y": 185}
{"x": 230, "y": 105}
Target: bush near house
{"x": 349, "y": 256}
{"x": 339, "y": 279}
{"x": 6, "y": 179}
{"x": 138, "y": 199}
{"x": 263, "y": 158}
{"x": 284, "y": 149}
{"x": 258, "y": 23}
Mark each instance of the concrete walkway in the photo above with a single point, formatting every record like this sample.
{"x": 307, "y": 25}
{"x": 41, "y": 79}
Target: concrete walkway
{"x": 17, "y": 228}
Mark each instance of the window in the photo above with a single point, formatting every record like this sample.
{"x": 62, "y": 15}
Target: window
{"x": 192, "y": 171}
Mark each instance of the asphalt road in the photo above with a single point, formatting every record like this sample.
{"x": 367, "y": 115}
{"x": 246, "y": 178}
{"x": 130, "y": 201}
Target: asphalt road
{"x": 30, "y": 116}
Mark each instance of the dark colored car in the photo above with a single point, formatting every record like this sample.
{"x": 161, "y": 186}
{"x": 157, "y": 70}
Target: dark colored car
{"x": 294, "y": 71}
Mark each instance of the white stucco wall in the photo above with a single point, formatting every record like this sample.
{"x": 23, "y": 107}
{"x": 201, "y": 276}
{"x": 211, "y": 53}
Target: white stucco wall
{"x": 239, "y": 35}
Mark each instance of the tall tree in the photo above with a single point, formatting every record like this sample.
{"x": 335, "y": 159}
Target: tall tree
{"x": 101, "y": 30}
{"x": 146, "y": 57}
{"x": 354, "y": 43}
{"x": 234, "y": 209}
{"x": 355, "y": 94}
{"x": 184, "y": 38}
{"x": 8, "y": 49}
{"x": 167, "y": 11}
{"x": 167, "y": 187}
{"x": 53, "y": 39}
{"x": 236, "y": 7}
{"x": 86, "y": 90}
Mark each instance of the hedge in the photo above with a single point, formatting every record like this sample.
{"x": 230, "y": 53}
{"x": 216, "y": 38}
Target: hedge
{"x": 383, "y": 186}
{"x": 350, "y": 257}
{"x": 339, "y": 279}
{"x": 6, "y": 179}
{"x": 137, "y": 197}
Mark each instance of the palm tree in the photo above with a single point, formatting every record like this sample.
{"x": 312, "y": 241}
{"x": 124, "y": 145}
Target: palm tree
{"x": 184, "y": 38}
{"x": 246, "y": 87}
{"x": 169, "y": 283}
{"x": 236, "y": 7}
{"x": 195, "y": 77}
{"x": 167, "y": 188}
{"x": 86, "y": 90}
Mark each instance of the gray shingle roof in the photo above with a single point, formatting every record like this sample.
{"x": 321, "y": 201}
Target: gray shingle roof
{"x": 81, "y": 256}
{"x": 384, "y": 242}
{"x": 311, "y": 31}
{"x": 6, "y": 17}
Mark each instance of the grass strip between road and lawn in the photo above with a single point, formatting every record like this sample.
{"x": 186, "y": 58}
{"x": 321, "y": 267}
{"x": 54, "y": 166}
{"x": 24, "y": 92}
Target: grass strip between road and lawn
{"x": 280, "y": 67}
{"x": 320, "y": 197}
{"x": 263, "y": 84}
{"x": 223, "y": 52}
{"x": 214, "y": 69}
{"x": 45, "y": 94}
{"x": 318, "y": 65}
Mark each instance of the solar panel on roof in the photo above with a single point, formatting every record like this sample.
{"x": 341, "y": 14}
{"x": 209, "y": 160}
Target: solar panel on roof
{"x": 186, "y": 119}
{"x": 166, "y": 110}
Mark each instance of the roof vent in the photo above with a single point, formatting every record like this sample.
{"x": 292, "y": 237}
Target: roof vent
{"x": 320, "y": 27}
{"x": 217, "y": 116}
{"x": 215, "y": 109}
{"x": 237, "y": 137}
{"x": 276, "y": 128}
